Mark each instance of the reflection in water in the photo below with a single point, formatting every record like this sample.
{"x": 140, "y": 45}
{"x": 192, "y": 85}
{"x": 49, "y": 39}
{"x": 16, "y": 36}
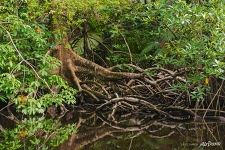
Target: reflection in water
{"x": 36, "y": 133}
{"x": 95, "y": 132}
{"x": 104, "y": 132}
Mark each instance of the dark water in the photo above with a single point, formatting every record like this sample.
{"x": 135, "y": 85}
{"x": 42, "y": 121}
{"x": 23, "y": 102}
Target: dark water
{"x": 155, "y": 135}
{"x": 92, "y": 132}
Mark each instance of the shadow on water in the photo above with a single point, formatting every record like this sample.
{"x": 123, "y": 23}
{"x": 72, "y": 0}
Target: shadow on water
{"x": 96, "y": 132}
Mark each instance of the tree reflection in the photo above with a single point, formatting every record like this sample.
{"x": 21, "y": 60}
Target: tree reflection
{"x": 97, "y": 131}
{"x": 100, "y": 131}
{"x": 36, "y": 133}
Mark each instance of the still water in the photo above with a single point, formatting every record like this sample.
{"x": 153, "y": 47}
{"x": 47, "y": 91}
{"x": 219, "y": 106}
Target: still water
{"x": 90, "y": 131}
{"x": 157, "y": 135}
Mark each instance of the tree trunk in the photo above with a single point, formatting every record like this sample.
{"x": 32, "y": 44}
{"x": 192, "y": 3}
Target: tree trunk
{"x": 74, "y": 66}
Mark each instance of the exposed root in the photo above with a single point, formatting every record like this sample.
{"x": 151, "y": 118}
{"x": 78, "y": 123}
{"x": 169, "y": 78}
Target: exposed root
{"x": 140, "y": 92}
{"x": 81, "y": 65}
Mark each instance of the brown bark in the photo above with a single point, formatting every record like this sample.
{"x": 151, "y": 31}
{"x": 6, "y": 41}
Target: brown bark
{"x": 74, "y": 66}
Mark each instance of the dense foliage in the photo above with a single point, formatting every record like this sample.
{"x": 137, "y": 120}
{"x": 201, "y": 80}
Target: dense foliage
{"x": 36, "y": 133}
{"x": 170, "y": 34}
{"x": 25, "y": 68}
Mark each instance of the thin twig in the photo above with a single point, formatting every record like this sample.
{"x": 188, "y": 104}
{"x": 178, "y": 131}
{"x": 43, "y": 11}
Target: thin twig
{"x": 128, "y": 47}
